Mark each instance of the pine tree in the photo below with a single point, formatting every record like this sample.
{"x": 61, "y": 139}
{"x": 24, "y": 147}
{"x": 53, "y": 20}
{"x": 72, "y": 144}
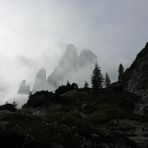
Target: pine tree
{"x": 107, "y": 80}
{"x": 97, "y": 78}
{"x": 121, "y": 72}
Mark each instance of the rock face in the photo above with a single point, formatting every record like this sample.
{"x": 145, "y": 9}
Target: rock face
{"x": 69, "y": 68}
{"x": 68, "y": 63}
{"x": 71, "y": 63}
{"x": 40, "y": 81}
{"x": 87, "y": 57}
{"x": 24, "y": 88}
{"x": 136, "y": 77}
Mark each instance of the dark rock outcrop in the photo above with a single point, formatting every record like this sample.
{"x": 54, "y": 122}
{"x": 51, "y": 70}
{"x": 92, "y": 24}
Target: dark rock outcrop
{"x": 135, "y": 78}
{"x": 24, "y": 88}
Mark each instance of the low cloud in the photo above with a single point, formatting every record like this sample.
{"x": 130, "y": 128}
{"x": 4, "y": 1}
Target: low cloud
{"x": 34, "y": 34}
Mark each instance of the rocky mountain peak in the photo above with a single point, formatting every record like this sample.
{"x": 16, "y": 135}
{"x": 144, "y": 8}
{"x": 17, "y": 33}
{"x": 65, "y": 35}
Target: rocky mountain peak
{"x": 40, "y": 81}
{"x": 87, "y": 57}
{"x": 68, "y": 63}
{"x": 41, "y": 74}
{"x": 70, "y": 56}
{"x": 24, "y": 88}
{"x": 71, "y": 48}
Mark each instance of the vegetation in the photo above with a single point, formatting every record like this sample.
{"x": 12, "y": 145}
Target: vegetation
{"x": 81, "y": 121}
{"x": 65, "y": 88}
{"x": 107, "y": 80}
{"x": 9, "y": 107}
{"x": 41, "y": 99}
{"x": 121, "y": 72}
{"x": 73, "y": 117}
{"x": 97, "y": 78}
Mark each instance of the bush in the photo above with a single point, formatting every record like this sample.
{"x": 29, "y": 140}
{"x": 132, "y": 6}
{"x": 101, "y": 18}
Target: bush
{"x": 8, "y": 107}
{"x": 44, "y": 99}
{"x": 65, "y": 88}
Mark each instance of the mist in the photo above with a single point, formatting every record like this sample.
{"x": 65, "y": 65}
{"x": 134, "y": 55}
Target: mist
{"x": 35, "y": 33}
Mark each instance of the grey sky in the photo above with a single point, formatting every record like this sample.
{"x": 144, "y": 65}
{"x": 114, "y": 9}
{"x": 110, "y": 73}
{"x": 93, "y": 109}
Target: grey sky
{"x": 33, "y": 33}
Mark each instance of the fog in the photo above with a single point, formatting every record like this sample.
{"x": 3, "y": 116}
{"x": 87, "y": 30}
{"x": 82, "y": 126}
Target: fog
{"x": 34, "y": 34}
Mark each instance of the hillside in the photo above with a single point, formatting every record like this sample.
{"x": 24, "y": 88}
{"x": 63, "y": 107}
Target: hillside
{"x": 77, "y": 118}
{"x": 74, "y": 117}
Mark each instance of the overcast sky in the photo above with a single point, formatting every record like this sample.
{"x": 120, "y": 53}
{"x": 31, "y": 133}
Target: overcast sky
{"x": 33, "y": 33}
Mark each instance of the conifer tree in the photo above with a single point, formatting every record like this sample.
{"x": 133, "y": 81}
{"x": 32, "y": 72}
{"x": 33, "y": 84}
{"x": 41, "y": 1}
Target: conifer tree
{"x": 107, "y": 80}
{"x": 120, "y": 71}
{"x": 97, "y": 78}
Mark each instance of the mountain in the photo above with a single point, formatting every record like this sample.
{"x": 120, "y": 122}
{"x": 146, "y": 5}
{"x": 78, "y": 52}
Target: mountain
{"x": 24, "y": 88}
{"x": 70, "y": 67}
{"x": 87, "y": 57}
{"x": 68, "y": 63}
{"x": 40, "y": 81}
{"x": 135, "y": 78}
{"x": 71, "y": 64}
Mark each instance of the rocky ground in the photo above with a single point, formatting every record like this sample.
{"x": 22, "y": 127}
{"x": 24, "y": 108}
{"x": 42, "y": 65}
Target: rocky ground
{"x": 76, "y": 119}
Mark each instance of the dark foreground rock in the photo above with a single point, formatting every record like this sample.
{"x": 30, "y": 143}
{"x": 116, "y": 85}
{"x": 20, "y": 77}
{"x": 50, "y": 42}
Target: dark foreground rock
{"x": 136, "y": 77}
{"x": 76, "y": 119}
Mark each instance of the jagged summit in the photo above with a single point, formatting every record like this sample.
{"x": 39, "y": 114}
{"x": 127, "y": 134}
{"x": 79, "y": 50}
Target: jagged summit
{"x": 71, "y": 63}
{"x": 71, "y": 49}
{"x": 69, "y": 58}
{"x": 40, "y": 81}
{"x": 24, "y": 88}
{"x": 67, "y": 64}
{"x": 41, "y": 74}
{"x": 87, "y": 57}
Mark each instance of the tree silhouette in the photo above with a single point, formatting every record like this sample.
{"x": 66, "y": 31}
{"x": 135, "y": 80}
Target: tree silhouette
{"x": 121, "y": 72}
{"x": 107, "y": 80}
{"x": 97, "y": 78}
{"x": 86, "y": 85}
{"x": 65, "y": 88}
{"x": 8, "y": 107}
{"x": 14, "y": 104}
{"x": 68, "y": 84}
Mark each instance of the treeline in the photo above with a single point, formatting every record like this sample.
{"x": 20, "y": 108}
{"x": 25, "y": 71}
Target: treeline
{"x": 97, "y": 81}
